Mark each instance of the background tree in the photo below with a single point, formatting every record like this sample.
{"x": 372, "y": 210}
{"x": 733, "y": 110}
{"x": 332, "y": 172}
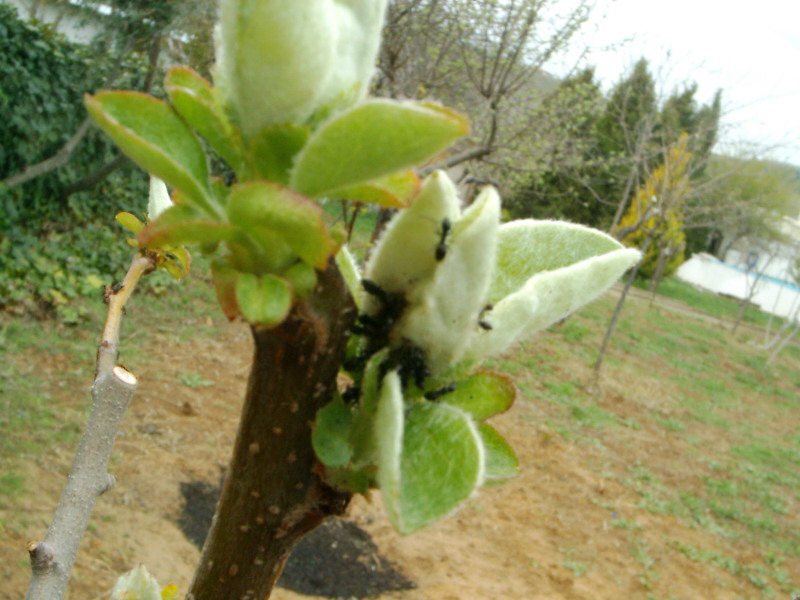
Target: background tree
{"x": 484, "y": 58}
{"x": 656, "y": 214}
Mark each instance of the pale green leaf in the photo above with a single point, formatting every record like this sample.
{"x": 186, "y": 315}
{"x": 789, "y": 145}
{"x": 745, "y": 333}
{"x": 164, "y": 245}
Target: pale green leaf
{"x": 264, "y": 301}
{"x": 331, "y": 434}
{"x": 180, "y": 225}
{"x": 274, "y": 148}
{"x": 129, "y": 221}
{"x": 527, "y": 247}
{"x": 483, "y": 394}
{"x": 549, "y": 297}
{"x": 302, "y": 277}
{"x": 350, "y": 272}
{"x": 157, "y": 139}
{"x": 194, "y": 99}
{"x": 501, "y": 460}
{"x": 257, "y": 206}
{"x": 137, "y": 584}
{"x": 441, "y": 459}
{"x": 444, "y": 311}
{"x": 371, "y": 140}
{"x": 394, "y": 191}
{"x": 442, "y": 463}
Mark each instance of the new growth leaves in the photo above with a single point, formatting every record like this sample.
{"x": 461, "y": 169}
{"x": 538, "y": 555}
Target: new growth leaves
{"x": 268, "y": 224}
{"x": 444, "y": 289}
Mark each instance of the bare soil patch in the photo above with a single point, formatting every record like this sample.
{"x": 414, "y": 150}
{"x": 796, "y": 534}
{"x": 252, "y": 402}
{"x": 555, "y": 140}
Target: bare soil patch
{"x": 573, "y": 526}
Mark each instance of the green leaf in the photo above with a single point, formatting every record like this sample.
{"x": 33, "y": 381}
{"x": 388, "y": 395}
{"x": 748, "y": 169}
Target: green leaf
{"x": 483, "y": 394}
{"x": 293, "y": 217}
{"x": 273, "y": 150}
{"x": 193, "y": 98}
{"x": 527, "y": 247}
{"x": 374, "y": 139}
{"x": 350, "y": 272}
{"x": 549, "y": 296}
{"x": 129, "y": 221}
{"x": 225, "y": 278}
{"x": 179, "y": 225}
{"x": 429, "y": 462}
{"x": 157, "y": 139}
{"x": 331, "y": 434}
{"x": 178, "y": 264}
{"x": 501, "y": 460}
{"x": 395, "y": 191}
{"x": 264, "y": 301}
{"x": 302, "y": 277}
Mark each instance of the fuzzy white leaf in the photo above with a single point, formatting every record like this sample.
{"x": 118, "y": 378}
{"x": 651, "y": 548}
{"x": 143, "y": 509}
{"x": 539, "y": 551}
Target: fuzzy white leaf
{"x": 405, "y": 255}
{"x": 350, "y": 273}
{"x": 389, "y": 441}
{"x": 138, "y": 584}
{"x": 279, "y": 61}
{"x": 443, "y": 312}
{"x": 159, "y": 199}
{"x": 548, "y": 297}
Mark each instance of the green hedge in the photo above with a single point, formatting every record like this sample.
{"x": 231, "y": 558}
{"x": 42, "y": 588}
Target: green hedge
{"x": 43, "y": 79}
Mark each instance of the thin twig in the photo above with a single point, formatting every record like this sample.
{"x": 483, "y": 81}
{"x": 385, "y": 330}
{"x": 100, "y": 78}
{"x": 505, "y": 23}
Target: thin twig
{"x": 113, "y": 388}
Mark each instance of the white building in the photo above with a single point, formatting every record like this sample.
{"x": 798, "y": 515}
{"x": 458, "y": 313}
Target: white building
{"x": 765, "y": 273}
{"x": 77, "y": 23}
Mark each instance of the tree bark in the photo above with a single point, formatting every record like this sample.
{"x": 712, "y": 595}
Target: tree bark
{"x": 272, "y": 495}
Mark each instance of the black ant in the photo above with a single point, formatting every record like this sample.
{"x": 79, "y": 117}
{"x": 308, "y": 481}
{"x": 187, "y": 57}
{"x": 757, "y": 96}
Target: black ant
{"x": 379, "y": 326}
{"x": 441, "y": 247}
{"x": 485, "y": 325}
{"x": 410, "y": 363}
{"x": 351, "y": 395}
{"x": 434, "y": 395}
{"x": 376, "y": 328}
{"x": 111, "y": 290}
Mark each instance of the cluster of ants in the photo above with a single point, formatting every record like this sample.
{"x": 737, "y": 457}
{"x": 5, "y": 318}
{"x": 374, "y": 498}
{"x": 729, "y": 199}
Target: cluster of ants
{"x": 408, "y": 359}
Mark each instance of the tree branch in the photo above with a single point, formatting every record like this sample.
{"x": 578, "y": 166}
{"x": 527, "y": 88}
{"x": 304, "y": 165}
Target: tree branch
{"x": 272, "y": 495}
{"x": 113, "y": 388}
{"x": 456, "y": 159}
{"x": 59, "y": 159}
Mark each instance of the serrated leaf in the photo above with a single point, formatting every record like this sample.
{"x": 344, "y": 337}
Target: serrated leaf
{"x": 374, "y": 139}
{"x": 331, "y": 435}
{"x": 483, "y": 394}
{"x": 129, "y": 222}
{"x": 264, "y": 301}
{"x": 193, "y": 98}
{"x": 273, "y": 150}
{"x": 180, "y": 225}
{"x": 157, "y": 139}
{"x": 440, "y": 462}
{"x": 296, "y": 219}
{"x": 395, "y": 191}
{"x": 501, "y": 460}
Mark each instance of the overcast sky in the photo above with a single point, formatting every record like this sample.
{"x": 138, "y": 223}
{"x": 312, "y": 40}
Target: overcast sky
{"x": 750, "y": 50}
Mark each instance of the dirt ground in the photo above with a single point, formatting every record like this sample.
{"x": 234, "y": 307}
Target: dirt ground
{"x": 525, "y": 540}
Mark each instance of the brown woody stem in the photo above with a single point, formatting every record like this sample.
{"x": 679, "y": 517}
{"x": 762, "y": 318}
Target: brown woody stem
{"x": 272, "y": 495}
